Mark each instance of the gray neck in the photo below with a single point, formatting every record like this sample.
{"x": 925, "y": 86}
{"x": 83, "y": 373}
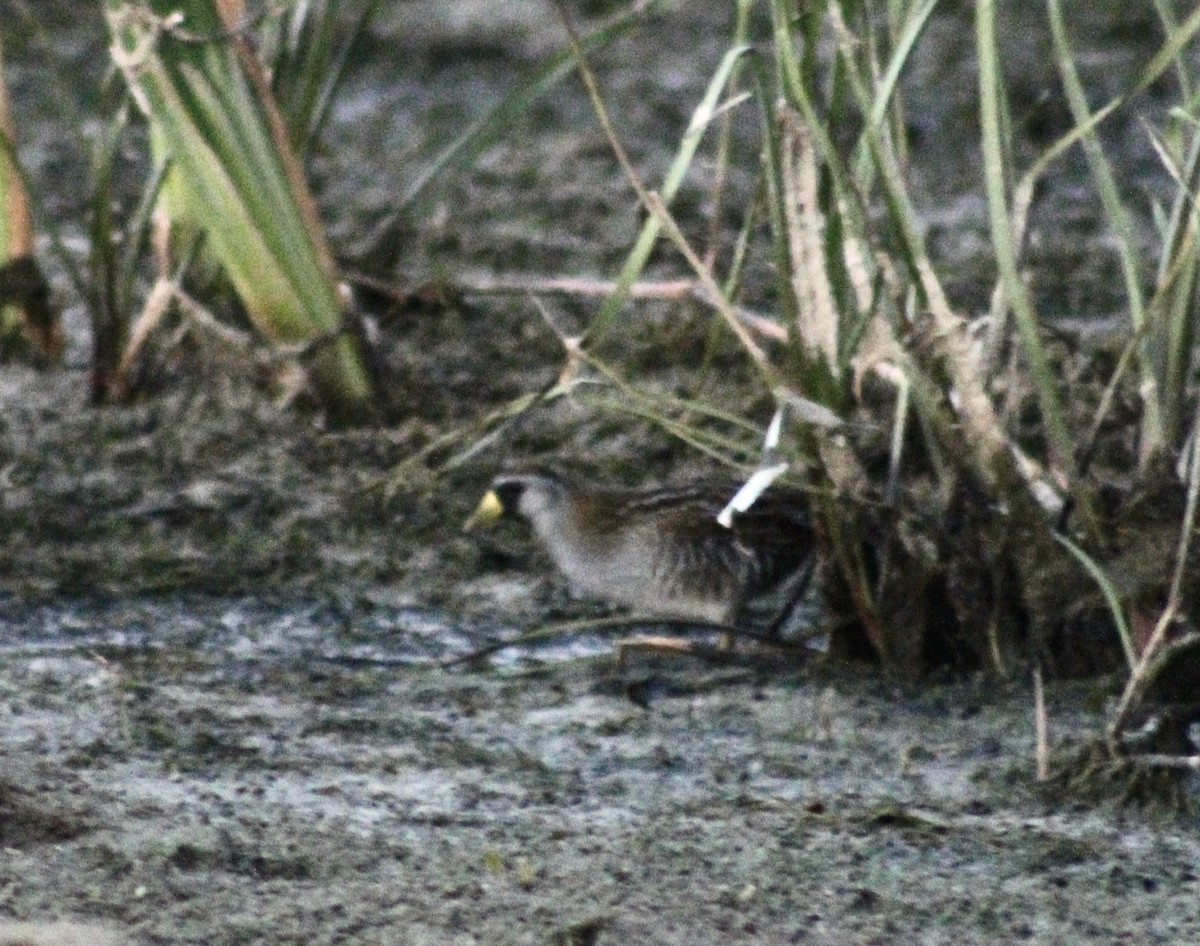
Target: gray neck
{"x": 546, "y": 504}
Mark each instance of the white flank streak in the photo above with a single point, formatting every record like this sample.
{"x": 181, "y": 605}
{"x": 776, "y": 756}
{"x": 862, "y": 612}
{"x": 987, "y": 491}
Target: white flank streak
{"x": 745, "y": 497}
{"x": 774, "y": 431}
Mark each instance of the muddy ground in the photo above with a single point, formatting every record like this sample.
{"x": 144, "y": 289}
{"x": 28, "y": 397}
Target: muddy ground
{"x": 223, "y": 718}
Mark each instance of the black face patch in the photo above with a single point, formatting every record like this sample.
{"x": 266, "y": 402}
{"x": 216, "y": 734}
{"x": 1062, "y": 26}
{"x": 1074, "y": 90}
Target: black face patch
{"x": 509, "y": 492}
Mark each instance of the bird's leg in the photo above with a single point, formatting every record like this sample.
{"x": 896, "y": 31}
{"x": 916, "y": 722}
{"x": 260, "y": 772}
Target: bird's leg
{"x": 796, "y": 587}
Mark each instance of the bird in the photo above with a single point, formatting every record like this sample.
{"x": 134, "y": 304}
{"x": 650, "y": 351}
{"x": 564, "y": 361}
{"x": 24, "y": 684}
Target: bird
{"x": 661, "y": 551}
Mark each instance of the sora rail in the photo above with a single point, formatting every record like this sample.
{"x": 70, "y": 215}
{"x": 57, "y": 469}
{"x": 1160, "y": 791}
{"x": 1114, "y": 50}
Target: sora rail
{"x": 661, "y": 551}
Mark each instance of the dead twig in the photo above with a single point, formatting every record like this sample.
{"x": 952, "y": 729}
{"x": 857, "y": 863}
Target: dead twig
{"x": 1158, "y": 761}
{"x": 549, "y": 633}
{"x": 582, "y": 287}
{"x": 1041, "y": 726}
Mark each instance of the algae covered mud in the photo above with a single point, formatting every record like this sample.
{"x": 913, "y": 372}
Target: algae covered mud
{"x": 222, "y": 718}
{"x": 280, "y": 771}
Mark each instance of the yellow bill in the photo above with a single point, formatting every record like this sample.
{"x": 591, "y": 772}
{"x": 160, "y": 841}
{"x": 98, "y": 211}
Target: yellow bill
{"x": 489, "y": 510}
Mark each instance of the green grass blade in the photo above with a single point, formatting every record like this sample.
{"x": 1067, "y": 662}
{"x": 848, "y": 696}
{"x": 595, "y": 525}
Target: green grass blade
{"x": 210, "y": 108}
{"x": 1118, "y": 222}
{"x": 885, "y": 89}
{"x": 1058, "y": 437}
{"x": 310, "y": 61}
{"x": 499, "y": 121}
{"x": 636, "y": 261}
{"x": 1111, "y": 598}
{"x": 1165, "y": 58}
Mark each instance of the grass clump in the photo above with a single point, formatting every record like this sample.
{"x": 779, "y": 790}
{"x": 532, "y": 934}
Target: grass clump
{"x": 964, "y": 517}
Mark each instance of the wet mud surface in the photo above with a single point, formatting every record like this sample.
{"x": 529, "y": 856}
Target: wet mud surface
{"x": 224, "y": 717}
{"x": 277, "y": 770}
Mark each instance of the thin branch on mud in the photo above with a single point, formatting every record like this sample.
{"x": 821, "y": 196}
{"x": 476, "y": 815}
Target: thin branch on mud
{"x": 579, "y": 286}
{"x": 572, "y": 346}
{"x": 666, "y": 291}
{"x": 1041, "y": 726}
{"x": 203, "y": 319}
{"x": 1158, "y": 761}
{"x": 1139, "y": 678}
{"x": 670, "y": 290}
{"x": 153, "y": 312}
{"x": 1104, "y": 406}
{"x": 549, "y": 633}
